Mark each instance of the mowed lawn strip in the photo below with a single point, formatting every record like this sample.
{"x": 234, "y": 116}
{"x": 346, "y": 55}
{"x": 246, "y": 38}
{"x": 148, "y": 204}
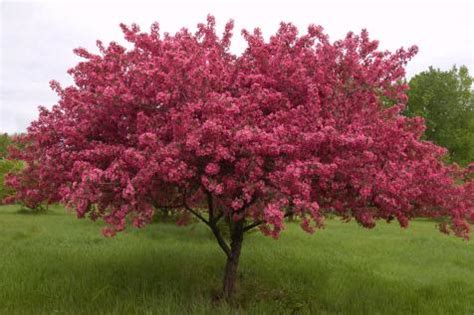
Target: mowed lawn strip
{"x": 55, "y": 263}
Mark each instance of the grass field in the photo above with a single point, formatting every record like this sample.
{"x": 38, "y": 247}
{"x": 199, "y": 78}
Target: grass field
{"x": 54, "y": 263}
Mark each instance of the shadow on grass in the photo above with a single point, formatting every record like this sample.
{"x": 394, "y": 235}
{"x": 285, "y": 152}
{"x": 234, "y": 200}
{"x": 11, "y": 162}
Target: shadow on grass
{"x": 28, "y": 211}
{"x": 42, "y": 211}
{"x": 9, "y": 209}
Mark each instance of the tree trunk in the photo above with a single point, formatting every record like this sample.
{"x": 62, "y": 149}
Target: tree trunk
{"x": 230, "y": 276}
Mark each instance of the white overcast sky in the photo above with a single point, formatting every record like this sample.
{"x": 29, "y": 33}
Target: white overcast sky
{"x": 37, "y": 37}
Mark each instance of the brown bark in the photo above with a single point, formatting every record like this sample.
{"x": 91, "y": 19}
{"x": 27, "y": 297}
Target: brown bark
{"x": 230, "y": 275}
{"x": 237, "y": 230}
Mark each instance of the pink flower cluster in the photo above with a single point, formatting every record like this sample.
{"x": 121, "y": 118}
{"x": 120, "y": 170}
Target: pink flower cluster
{"x": 295, "y": 125}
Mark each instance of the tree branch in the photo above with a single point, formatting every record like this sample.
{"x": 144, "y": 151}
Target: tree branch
{"x": 216, "y": 219}
{"x": 257, "y": 223}
{"x": 200, "y": 217}
{"x": 251, "y": 226}
{"x": 169, "y": 206}
{"x": 210, "y": 205}
{"x": 222, "y": 243}
{"x": 211, "y": 223}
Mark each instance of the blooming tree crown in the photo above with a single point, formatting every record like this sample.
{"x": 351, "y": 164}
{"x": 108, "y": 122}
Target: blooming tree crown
{"x": 295, "y": 125}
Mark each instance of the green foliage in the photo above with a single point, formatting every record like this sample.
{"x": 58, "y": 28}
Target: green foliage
{"x": 5, "y": 141}
{"x": 446, "y": 100}
{"x": 55, "y": 264}
{"x": 7, "y": 166}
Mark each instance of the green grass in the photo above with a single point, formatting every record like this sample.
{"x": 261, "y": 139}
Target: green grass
{"x": 54, "y": 263}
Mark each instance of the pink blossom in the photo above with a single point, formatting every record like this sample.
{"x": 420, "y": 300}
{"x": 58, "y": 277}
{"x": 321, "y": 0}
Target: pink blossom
{"x": 293, "y": 124}
{"x": 108, "y": 232}
{"x": 212, "y": 169}
{"x": 129, "y": 191}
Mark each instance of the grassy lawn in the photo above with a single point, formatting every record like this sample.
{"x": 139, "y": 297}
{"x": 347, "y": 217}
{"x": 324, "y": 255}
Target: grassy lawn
{"x": 54, "y": 263}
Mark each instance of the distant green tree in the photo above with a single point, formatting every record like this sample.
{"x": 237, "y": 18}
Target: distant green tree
{"x": 445, "y": 99}
{"x": 5, "y": 141}
{"x": 6, "y": 166}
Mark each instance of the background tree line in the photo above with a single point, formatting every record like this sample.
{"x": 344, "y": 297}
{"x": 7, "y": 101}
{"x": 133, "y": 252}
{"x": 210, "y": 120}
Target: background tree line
{"x": 6, "y": 165}
{"x": 445, "y": 100}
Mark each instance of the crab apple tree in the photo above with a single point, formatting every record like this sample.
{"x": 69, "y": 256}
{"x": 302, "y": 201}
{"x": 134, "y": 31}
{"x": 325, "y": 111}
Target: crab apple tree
{"x": 295, "y": 125}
